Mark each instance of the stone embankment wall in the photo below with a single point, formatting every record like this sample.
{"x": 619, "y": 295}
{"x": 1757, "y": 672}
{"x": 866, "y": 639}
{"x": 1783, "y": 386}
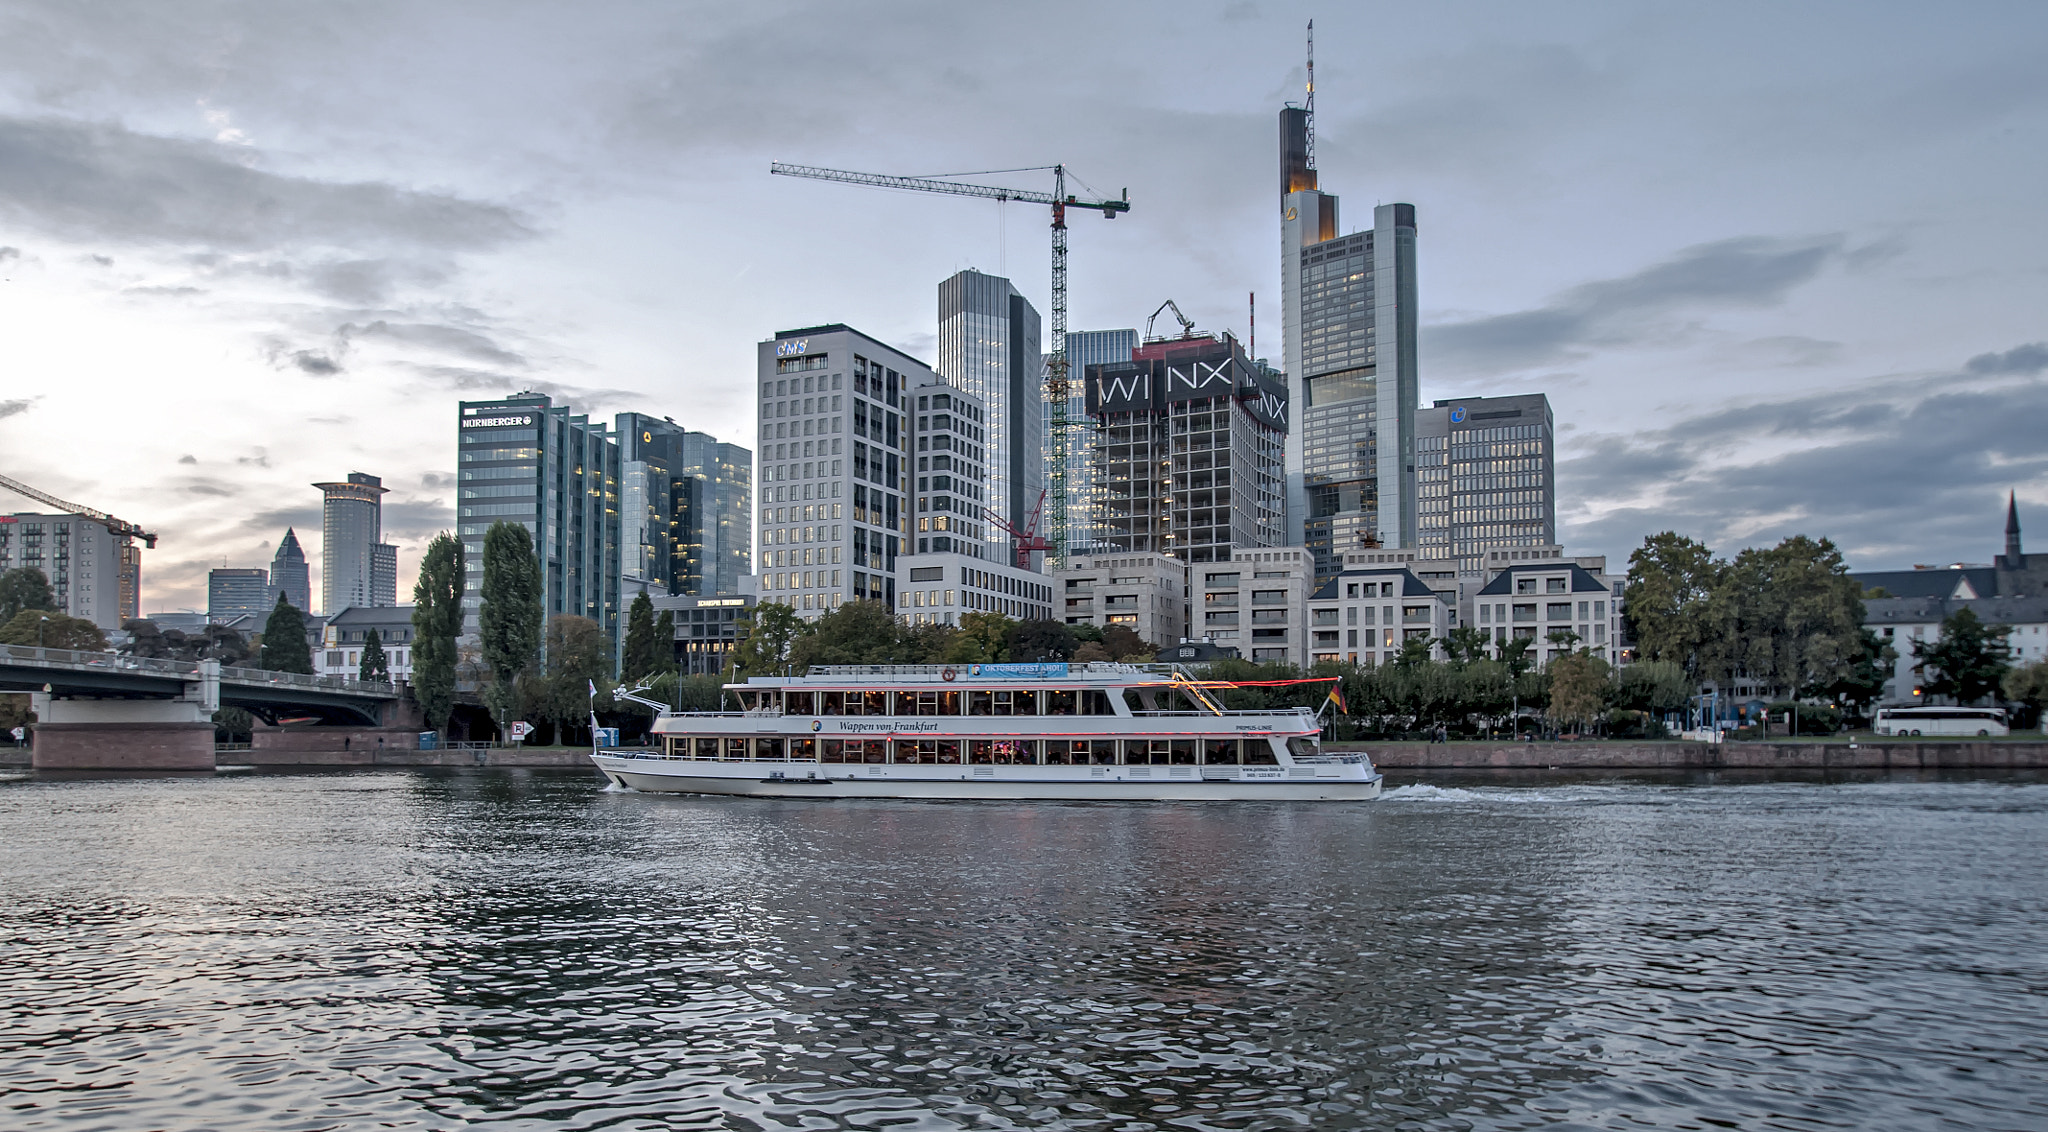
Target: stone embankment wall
{"x": 1882, "y": 755}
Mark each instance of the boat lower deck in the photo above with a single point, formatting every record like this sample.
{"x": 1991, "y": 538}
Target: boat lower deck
{"x": 1341, "y": 779}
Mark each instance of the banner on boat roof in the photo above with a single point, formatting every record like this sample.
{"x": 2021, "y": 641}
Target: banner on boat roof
{"x": 1041, "y": 671}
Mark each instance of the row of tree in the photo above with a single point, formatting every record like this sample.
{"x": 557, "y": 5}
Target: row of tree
{"x": 777, "y": 640}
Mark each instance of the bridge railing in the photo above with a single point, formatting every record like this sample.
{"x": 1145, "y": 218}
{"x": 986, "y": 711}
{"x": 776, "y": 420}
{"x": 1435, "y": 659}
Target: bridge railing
{"x": 300, "y": 680}
{"x": 79, "y": 661}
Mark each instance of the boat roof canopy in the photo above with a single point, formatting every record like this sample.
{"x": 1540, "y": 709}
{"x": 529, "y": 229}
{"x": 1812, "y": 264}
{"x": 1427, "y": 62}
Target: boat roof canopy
{"x": 1092, "y": 674}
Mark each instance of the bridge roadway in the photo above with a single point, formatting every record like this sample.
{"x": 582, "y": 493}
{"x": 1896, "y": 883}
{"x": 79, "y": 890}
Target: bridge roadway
{"x": 103, "y": 709}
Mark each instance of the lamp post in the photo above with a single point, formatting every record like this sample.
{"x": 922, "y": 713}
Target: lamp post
{"x": 41, "y": 621}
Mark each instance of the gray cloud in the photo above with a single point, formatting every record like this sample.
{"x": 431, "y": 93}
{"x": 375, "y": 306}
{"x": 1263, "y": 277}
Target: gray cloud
{"x": 319, "y": 365}
{"x": 455, "y": 340}
{"x": 2031, "y": 358}
{"x": 279, "y": 518}
{"x": 7, "y": 253}
{"x": 188, "y": 459}
{"x": 1899, "y": 472}
{"x": 104, "y": 182}
{"x": 418, "y": 518}
{"x": 16, "y": 407}
{"x": 209, "y": 487}
{"x": 1751, "y": 271}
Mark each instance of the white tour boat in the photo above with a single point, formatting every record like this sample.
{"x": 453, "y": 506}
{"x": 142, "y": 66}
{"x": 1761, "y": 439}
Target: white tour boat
{"x": 991, "y": 731}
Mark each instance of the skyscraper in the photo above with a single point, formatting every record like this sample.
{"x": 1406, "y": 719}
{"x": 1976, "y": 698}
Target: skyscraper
{"x": 1086, "y": 348}
{"x": 835, "y": 466}
{"x": 1348, "y": 329}
{"x": 988, "y": 348}
{"x": 357, "y": 568}
{"x": 232, "y": 591}
{"x": 524, "y": 459}
{"x": 685, "y": 503}
{"x": 1187, "y": 442}
{"x": 288, "y": 573}
{"x": 1486, "y": 470}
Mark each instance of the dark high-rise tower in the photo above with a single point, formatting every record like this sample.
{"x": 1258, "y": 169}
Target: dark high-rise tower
{"x": 288, "y": 573}
{"x": 1348, "y": 329}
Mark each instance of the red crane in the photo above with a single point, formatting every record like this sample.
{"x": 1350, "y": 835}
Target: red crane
{"x": 1027, "y": 540}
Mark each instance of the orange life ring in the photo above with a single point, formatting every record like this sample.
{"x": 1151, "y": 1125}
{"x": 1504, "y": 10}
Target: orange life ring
{"x": 948, "y": 674}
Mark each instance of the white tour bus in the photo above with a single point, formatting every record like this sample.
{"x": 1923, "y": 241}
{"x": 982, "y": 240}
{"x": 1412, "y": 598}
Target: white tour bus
{"x": 1941, "y": 721}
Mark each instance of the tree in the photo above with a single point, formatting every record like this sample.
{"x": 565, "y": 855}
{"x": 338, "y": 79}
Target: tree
{"x": 766, "y": 638}
{"x": 1671, "y": 581}
{"x": 1863, "y": 680}
{"x": 1968, "y": 660}
{"x": 53, "y": 631}
{"x": 1791, "y": 618}
{"x": 1467, "y": 643}
{"x": 436, "y": 623}
{"x": 1043, "y": 640}
{"x": 858, "y": 632}
{"x": 375, "y": 668}
{"x": 1126, "y": 644}
{"x": 509, "y": 620}
{"x": 2029, "y": 686}
{"x": 665, "y": 642}
{"x": 1652, "y": 686}
{"x": 983, "y": 639}
{"x": 642, "y": 654}
{"x": 578, "y": 658}
{"x": 24, "y": 587}
{"x": 1578, "y": 687}
{"x": 285, "y": 648}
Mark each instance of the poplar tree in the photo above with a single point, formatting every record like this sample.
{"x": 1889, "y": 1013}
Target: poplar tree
{"x": 22, "y": 588}
{"x": 510, "y": 619}
{"x": 284, "y": 640}
{"x": 374, "y": 668}
{"x": 436, "y": 622}
{"x": 642, "y": 657}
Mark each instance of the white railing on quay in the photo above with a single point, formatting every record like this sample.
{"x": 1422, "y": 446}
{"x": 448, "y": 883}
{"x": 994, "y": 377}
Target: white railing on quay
{"x": 79, "y": 661}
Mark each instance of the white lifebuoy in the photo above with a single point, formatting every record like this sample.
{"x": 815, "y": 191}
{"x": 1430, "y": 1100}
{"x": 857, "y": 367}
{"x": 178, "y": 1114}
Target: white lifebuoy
{"x": 948, "y": 674}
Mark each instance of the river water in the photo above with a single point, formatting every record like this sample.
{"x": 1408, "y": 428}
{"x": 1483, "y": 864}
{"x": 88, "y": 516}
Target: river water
{"x": 524, "y": 949}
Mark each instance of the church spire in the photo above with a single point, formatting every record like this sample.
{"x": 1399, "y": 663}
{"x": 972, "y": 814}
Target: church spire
{"x": 2012, "y": 530}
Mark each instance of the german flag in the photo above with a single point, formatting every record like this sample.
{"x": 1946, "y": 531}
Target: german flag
{"x": 1337, "y": 698}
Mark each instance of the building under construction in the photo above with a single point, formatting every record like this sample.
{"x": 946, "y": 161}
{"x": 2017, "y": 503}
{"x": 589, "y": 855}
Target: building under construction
{"x": 1186, "y": 450}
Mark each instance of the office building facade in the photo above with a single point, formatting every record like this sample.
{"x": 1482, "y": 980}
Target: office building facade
{"x": 1086, "y": 348}
{"x": 1348, "y": 330}
{"x": 1486, "y": 478}
{"x": 686, "y": 506}
{"x": 835, "y": 467}
{"x": 950, "y": 429}
{"x": 1145, "y": 593}
{"x": 988, "y": 348}
{"x": 1255, "y": 601}
{"x": 357, "y": 568}
{"x": 234, "y": 591}
{"x": 79, "y": 558}
{"x": 289, "y": 574}
{"x": 1187, "y": 443}
{"x": 524, "y": 459}
{"x": 707, "y": 629}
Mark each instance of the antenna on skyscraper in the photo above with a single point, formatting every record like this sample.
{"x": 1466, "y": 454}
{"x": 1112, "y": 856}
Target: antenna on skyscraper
{"x": 1311, "y": 105}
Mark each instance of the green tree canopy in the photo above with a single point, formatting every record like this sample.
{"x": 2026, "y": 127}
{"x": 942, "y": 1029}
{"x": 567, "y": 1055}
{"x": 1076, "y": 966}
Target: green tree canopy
{"x": 53, "y": 631}
{"x": 285, "y": 648}
{"x": 1032, "y": 640}
{"x": 858, "y": 632}
{"x": 436, "y": 623}
{"x": 1671, "y": 584}
{"x": 1654, "y": 686}
{"x": 24, "y": 587}
{"x": 1578, "y": 689}
{"x": 375, "y": 666}
{"x": 767, "y": 636}
{"x": 983, "y": 639}
{"x": 578, "y": 656}
{"x": 1790, "y": 616}
{"x": 509, "y": 619}
{"x": 2028, "y": 685}
{"x": 644, "y": 652}
{"x": 1969, "y": 660}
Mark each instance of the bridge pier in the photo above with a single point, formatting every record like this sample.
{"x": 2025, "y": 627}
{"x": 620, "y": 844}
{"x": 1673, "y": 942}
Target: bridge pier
{"x": 86, "y": 734}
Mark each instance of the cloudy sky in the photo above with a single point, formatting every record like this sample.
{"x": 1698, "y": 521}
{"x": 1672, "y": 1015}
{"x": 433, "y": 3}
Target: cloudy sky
{"x": 1779, "y": 268}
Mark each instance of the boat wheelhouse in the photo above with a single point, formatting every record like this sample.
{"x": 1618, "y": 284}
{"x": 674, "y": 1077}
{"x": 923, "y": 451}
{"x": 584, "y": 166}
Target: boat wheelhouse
{"x": 996, "y": 731}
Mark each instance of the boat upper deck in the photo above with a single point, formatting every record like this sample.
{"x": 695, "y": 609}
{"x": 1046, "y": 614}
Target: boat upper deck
{"x": 1094, "y": 674}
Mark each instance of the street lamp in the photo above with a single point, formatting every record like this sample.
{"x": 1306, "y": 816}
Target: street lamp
{"x": 41, "y": 621}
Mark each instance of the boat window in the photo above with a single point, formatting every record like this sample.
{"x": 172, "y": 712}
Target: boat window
{"x": 949, "y": 752}
{"x": 949, "y": 703}
{"x": 828, "y": 703}
{"x": 980, "y": 703}
{"x": 1139, "y": 752}
{"x": 1061, "y": 752}
{"x": 676, "y": 748}
{"x": 1102, "y": 752}
{"x": 768, "y": 748}
{"x": 805, "y": 748}
{"x": 877, "y": 704}
{"x": 1059, "y": 701}
{"x": 927, "y": 703}
{"x": 707, "y": 747}
{"x": 1011, "y": 702}
{"x": 736, "y": 748}
{"x": 917, "y": 751}
{"x": 1183, "y": 752}
{"x": 835, "y": 751}
{"x": 1095, "y": 701}
{"x": 1305, "y": 746}
{"x": 1003, "y": 752}
{"x": 1259, "y": 752}
{"x": 873, "y": 751}
{"x": 1219, "y": 752}
{"x": 799, "y": 703}
{"x": 903, "y": 703}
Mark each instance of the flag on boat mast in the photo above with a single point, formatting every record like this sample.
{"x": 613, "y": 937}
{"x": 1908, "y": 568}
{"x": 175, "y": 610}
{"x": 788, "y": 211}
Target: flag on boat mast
{"x": 1338, "y": 699}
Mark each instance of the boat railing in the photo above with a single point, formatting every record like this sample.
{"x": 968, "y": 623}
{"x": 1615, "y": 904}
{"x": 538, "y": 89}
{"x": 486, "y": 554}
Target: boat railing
{"x": 1329, "y": 760}
{"x": 1049, "y": 670}
{"x": 1229, "y": 711}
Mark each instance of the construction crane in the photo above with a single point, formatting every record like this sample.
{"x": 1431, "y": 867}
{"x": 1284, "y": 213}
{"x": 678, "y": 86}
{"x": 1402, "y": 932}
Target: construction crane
{"x": 1187, "y": 325}
{"x": 1026, "y": 540}
{"x": 125, "y": 533}
{"x": 1056, "y": 382}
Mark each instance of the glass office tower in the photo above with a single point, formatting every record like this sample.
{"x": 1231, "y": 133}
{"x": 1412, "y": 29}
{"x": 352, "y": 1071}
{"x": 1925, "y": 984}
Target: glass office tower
{"x": 988, "y": 348}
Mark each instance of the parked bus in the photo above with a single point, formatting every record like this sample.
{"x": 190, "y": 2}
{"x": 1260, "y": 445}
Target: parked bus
{"x": 1941, "y": 721}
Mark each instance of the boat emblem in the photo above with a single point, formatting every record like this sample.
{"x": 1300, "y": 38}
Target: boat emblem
{"x": 948, "y": 674}
{"x": 817, "y": 725}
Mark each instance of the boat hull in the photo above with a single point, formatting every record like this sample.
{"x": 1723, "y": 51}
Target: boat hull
{"x": 1348, "y": 782}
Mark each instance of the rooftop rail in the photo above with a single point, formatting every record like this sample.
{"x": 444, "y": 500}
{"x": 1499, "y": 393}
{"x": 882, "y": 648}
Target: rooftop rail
{"x": 80, "y": 661}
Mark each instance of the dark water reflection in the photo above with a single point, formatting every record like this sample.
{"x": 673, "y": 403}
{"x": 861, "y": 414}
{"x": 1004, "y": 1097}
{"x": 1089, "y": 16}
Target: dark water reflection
{"x": 522, "y": 949}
